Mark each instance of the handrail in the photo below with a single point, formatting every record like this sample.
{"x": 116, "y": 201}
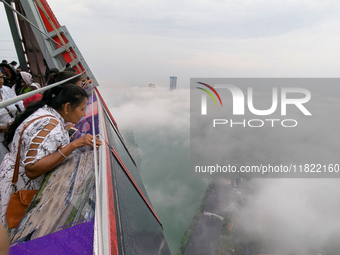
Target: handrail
{"x": 34, "y": 92}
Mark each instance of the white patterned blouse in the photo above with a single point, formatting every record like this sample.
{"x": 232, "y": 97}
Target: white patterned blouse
{"x": 49, "y": 144}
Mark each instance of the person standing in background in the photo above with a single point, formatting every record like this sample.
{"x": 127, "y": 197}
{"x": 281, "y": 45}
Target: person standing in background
{"x": 13, "y": 63}
{"x": 25, "y": 84}
{"x": 27, "y": 78}
{"x": 10, "y": 74}
{"x": 7, "y": 113}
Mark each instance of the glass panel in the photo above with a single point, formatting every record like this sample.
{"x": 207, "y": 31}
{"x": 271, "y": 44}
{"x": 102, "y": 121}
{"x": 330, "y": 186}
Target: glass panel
{"x": 142, "y": 233}
{"x": 115, "y": 142}
{"x": 66, "y": 198}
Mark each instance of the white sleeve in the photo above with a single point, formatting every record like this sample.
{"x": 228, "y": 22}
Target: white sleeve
{"x": 12, "y": 94}
{"x": 48, "y": 145}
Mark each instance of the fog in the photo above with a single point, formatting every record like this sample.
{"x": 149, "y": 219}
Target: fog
{"x": 291, "y": 215}
{"x": 159, "y": 119}
{"x": 294, "y": 216}
{"x": 128, "y": 42}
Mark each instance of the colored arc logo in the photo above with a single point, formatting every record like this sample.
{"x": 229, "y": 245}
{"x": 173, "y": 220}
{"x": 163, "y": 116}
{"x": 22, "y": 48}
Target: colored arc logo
{"x": 209, "y": 92}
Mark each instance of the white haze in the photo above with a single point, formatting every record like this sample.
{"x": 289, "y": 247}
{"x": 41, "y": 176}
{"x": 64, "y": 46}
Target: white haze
{"x": 299, "y": 214}
{"x": 159, "y": 119}
{"x": 133, "y": 42}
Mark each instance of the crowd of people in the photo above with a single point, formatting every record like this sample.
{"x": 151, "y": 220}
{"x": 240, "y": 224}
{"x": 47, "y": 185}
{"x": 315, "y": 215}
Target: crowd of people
{"x": 36, "y": 129}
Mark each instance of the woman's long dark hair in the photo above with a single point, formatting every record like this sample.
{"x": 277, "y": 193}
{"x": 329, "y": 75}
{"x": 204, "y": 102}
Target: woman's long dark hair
{"x": 55, "y": 77}
{"x": 55, "y": 98}
{"x": 18, "y": 83}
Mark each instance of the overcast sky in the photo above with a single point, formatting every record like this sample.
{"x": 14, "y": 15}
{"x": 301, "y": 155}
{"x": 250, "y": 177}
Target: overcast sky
{"x": 139, "y": 42}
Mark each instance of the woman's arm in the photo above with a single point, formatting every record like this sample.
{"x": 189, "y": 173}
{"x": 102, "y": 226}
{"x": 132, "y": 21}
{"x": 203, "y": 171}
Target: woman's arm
{"x": 51, "y": 161}
{"x": 2, "y": 129}
{"x": 4, "y": 241}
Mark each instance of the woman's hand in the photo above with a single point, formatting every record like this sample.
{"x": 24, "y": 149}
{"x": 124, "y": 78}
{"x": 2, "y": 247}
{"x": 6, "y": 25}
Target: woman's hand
{"x": 86, "y": 140}
{"x": 2, "y": 129}
{"x": 51, "y": 161}
{"x": 68, "y": 126}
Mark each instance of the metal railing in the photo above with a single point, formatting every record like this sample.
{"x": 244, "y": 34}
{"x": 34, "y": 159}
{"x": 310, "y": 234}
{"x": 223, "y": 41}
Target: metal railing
{"x": 34, "y": 92}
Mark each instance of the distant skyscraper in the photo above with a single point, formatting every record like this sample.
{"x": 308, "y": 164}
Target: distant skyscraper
{"x": 173, "y": 82}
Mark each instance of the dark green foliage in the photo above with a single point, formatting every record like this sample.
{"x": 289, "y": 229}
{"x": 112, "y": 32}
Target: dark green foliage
{"x": 187, "y": 234}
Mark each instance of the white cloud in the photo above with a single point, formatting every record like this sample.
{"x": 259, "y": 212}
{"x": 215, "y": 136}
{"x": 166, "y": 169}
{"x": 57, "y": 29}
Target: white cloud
{"x": 138, "y": 42}
{"x": 221, "y": 18}
{"x": 294, "y": 215}
{"x": 149, "y": 108}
